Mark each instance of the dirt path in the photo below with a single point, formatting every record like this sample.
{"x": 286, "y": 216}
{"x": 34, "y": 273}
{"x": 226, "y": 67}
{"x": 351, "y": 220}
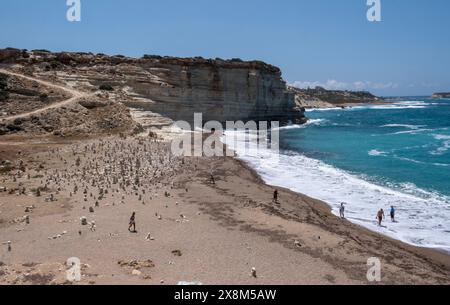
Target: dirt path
{"x": 75, "y": 95}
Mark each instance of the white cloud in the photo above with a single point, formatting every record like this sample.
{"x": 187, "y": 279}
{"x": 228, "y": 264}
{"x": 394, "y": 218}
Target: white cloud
{"x": 333, "y": 84}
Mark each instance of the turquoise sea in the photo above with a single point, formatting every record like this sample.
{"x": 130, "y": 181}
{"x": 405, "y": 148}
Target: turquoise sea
{"x": 373, "y": 157}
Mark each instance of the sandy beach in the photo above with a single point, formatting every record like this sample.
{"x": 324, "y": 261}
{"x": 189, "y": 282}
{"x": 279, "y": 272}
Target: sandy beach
{"x": 189, "y": 228}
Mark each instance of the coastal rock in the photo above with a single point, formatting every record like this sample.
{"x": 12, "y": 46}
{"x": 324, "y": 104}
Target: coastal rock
{"x": 441, "y": 95}
{"x": 319, "y": 97}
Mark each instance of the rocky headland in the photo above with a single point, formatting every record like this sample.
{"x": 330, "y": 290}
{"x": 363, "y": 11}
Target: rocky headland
{"x": 319, "y": 97}
{"x": 441, "y": 95}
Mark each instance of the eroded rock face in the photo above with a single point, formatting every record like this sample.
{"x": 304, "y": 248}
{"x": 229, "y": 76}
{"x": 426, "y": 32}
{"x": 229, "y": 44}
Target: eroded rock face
{"x": 222, "y": 90}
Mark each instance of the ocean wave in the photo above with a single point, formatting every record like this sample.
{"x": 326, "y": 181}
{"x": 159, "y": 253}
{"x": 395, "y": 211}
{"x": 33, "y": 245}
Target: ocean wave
{"x": 441, "y": 164}
{"x": 397, "y": 105}
{"x": 377, "y": 153}
{"x": 415, "y": 127}
{"x": 323, "y": 109}
{"x": 412, "y": 103}
{"x": 392, "y": 106}
{"x": 445, "y": 144}
{"x": 418, "y": 210}
{"x": 311, "y": 122}
{"x": 415, "y": 131}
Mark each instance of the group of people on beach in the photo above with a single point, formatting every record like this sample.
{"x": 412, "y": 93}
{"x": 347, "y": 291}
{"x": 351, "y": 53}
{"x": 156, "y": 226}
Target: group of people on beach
{"x": 380, "y": 215}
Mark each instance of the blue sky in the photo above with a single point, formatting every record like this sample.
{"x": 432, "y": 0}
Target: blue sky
{"x": 314, "y": 42}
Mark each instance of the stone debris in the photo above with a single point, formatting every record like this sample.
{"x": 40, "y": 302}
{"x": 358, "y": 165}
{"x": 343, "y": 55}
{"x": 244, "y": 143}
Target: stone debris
{"x": 101, "y": 173}
{"x": 29, "y": 209}
{"x": 136, "y": 264}
{"x": 177, "y": 253}
{"x": 136, "y": 272}
{"x": 84, "y": 221}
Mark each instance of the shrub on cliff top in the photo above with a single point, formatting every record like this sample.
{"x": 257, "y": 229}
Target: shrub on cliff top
{"x": 147, "y": 56}
{"x": 41, "y": 51}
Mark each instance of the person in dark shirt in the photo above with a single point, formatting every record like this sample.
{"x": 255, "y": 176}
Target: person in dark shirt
{"x": 392, "y": 213}
{"x": 132, "y": 223}
{"x": 275, "y": 196}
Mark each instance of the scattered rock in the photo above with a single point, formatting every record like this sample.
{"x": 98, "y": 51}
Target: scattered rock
{"x": 136, "y": 272}
{"x": 177, "y": 253}
{"x": 135, "y": 264}
{"x": 84, "y": 221}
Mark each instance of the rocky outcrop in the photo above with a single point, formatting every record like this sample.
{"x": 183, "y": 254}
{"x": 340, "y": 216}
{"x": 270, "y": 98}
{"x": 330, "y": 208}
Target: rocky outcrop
{"x": 322, "y": 98}
{"x": 11, "y": 55}
{"x": 441, "y": 95}
{"x": 175, "y": 88}
{"x": 4, "y": 94}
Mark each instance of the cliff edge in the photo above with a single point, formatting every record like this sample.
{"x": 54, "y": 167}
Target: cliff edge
{"x": 169, "y": 87}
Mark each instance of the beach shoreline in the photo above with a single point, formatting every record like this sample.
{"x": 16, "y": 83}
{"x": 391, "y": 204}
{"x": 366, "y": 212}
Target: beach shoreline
{"x": 226, "y": 228}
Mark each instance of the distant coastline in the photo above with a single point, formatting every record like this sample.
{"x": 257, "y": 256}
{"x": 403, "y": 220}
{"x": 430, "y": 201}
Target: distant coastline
{"x": 318, "y": 97}
{"x": 440, "y": 95}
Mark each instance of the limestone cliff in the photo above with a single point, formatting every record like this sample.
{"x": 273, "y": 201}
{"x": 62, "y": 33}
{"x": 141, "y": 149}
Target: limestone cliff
{"x": 170, "y": 87}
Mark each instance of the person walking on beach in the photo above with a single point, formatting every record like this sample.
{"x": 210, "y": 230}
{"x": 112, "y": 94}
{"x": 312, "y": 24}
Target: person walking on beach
{"x": 342, "y": 210}
{"x": 380, "y": 216}
{"x": 132, "y": 222}
{"x": 275, "y": 196}
{"x": 392, "y": 213}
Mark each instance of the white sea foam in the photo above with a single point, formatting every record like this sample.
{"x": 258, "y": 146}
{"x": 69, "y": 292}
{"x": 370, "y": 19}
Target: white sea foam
{"x": 423, "y": 217}
{"x": 315, "y": 122}
{"x": 445, "y": 144}
{"x": 397, "y": 105}
{"x": 415, "y": 131}
{"x": 415, "y": 127}
{"x": 323, "y": 109}
{"x": 377, "y": 153}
